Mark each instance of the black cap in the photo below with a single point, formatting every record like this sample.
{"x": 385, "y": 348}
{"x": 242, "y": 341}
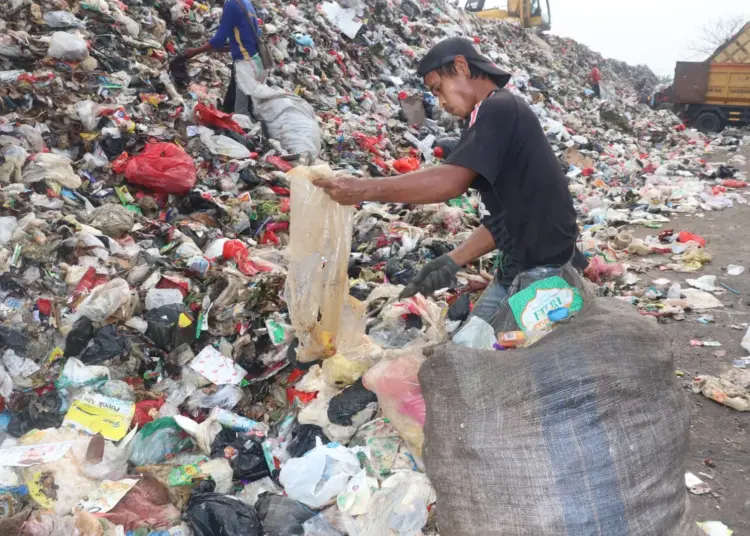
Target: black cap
{"x": 446, "y": 51}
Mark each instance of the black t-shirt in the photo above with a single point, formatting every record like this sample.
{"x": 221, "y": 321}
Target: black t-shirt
{"x": 526, "y": 204}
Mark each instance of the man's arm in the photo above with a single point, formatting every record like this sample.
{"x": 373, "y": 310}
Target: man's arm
{"x": 218, "y": 41}
{"x": 431, "y": 185}
{"x": 479, "y": 243}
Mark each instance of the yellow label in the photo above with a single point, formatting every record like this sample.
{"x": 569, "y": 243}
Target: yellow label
{"x": 96, "y": 413}
{"x": 184, "y": 321}
{"x": 55, "y": 354}
{"x": 41, "y": 488}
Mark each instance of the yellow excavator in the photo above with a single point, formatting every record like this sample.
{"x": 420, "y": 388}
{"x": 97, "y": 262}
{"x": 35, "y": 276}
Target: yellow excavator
{"x": 531, "y": 13}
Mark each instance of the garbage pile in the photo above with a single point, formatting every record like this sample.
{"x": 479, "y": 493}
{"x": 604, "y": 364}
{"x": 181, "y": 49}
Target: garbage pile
{"x": 162, "y": 323}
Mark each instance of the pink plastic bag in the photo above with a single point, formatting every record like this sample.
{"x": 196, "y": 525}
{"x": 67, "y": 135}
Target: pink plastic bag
{"x": 162, "y": 167}
{"x": 396, "y": 385}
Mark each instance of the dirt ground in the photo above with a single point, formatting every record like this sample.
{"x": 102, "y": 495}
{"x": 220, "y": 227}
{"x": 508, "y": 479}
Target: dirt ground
{"x": 718, "y": 433}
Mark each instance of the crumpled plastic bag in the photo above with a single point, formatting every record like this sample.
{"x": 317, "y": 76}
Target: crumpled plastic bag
{"x": 163, "y": 168}
{"x": 113, "y": 220}
{"x": 722, "y": 391}
{"x": 321, "y": 474}
{"x": 223, "y": 145}
{"x": 67, "y": 47}
{"x": 216, "y": 514}
{"x": 107, "y": 300}
{"x": 400, "y": 506}
{"x": 396, "y": 383}
{"x": 52, "y": 167}
{"x": 317, "y": 286}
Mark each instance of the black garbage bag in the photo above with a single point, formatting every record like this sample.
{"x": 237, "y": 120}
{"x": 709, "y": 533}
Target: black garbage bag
{"x": 12, "y": 338}
{"x": 79, "y": 336}
{"x": 460, "y": 309}
{"x": 178, "y": 68}
{"x": 303, "y": 439}
{"x": 35, "y": 411}
{"x": 216, "y": 514}
{"x": 250, "y": 464}
{"x": 349, "y": 402}
{"x": 107, "y": 344}
{"x": 162, "y": 325}
{"x": 282, "y": 516}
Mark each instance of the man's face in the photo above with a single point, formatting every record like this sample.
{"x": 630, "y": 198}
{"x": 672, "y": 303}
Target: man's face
{"x": 454, "y": 92}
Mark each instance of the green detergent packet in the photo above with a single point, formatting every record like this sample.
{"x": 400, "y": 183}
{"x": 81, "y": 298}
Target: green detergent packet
{"x": 531, "y": 305}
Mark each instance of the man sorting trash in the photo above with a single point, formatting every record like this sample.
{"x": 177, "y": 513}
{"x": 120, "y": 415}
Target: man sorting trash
{"x": 526, "y": 209}
{"x": 239, "y": 25}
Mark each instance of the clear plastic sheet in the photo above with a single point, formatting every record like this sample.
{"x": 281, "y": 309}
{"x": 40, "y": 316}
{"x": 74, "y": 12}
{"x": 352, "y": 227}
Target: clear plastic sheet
{"x": 317, "y": 287}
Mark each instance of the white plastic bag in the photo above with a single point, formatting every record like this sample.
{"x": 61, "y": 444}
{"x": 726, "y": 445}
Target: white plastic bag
{"x": 317, "y": 286}
{"x": 320, "y": 475}
{"x": 106, "y": 300}
{"x": 8, "y": 225}
{"x": 61, "y": 19}
{"x": 67, "y": 47}
{"x": 289, "y": 119}
{"x": 223, "y": 145}
{"x": 400, "y": 507}
{"x": 52, "y": 167}
{"x": 76, "y": 374}
{"x": 477, "y": 333}
{"x": 159, "y": 297}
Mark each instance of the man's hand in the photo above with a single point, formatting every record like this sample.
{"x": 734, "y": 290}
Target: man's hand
{"x": 345, "y": 190}
{"x": 437, "y": 274}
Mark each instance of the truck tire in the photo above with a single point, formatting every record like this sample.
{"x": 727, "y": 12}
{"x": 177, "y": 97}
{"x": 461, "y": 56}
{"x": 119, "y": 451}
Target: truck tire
{"x": 709, "y": 122}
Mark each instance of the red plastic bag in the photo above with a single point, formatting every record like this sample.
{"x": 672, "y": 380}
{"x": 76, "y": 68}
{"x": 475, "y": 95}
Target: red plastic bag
{"x": 733, "y": 183}
{"x": 146, "y": 411}
{"x": 208, "y": 115}
{"x": 686, "y": 236}
{"x": 162, "y": 167}
{"x": 405, "y": 165}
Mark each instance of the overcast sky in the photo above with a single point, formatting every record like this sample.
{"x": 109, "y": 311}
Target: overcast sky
{"x": 654, "y": 32}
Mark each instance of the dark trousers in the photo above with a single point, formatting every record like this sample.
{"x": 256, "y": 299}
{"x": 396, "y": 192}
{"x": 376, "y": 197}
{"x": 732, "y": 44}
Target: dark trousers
{"x": 596, "y": 89}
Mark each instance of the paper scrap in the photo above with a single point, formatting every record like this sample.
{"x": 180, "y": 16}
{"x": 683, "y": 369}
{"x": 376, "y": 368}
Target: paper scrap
{"x": 345, "y": 20}
{"x": 95, "y": 413}
{"x": 28, "y": 455}
{"x": 695, "y": 485}
{"x": 217, "y": 368}
{"x": 106, "y": 496}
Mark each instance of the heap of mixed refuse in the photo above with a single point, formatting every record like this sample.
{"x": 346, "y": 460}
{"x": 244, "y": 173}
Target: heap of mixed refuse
{"x": 161, "y": 324}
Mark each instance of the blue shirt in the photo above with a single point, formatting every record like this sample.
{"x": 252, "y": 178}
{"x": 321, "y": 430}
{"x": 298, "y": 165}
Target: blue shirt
{"x": 235, "y": 26}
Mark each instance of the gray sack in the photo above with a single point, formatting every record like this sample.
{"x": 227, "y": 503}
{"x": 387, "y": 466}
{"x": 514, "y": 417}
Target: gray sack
{"x": 585, "y": 433}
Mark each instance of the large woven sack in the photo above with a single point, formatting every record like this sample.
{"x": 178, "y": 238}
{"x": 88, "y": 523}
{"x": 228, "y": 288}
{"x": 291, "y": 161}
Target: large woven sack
{"x": 584, "y": 433}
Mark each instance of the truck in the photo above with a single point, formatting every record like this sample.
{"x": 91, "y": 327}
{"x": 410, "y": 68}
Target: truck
{"x": 715, "y": 93}
{"x": 531, "y": 13}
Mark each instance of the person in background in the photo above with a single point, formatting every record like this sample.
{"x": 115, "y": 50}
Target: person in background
{"x": 526, "y": 209}
{"x": 239, "y": 26}
{"x": 596, "y": 77}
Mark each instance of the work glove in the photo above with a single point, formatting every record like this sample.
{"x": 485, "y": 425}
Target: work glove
{"x": 437, "y": 274}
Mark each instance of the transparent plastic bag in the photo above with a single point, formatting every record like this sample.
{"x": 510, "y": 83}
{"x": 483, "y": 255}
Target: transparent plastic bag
{"x": 320, "y": 475}
{"x": 317, "y": 287}
{"x": 396, "y": 384}
{"x": 52, "y": 167}
{"x": 400, "y": 507}
{"x": 477, "y": 333}
{"x": 67, "y": 47}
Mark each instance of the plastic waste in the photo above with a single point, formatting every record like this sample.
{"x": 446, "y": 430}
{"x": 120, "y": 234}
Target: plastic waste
{"x": 67, "y": 47}
{"x": 350, "y": 401}
{"x": 55, "y": 168}
{"x": 477, "y": 333}
{"x": 156, "y": 440}
{"x": 160, "y": 297}
{"x": 400, "y": 505}
{"x": 215, "y": 514}
{"x": 282, "y": 516}
{"x": 161, "y": 167}
{"x": 316, "y": 286}
{"x": 396, "y": 384}
{"x": 320, "y": 475}
{"x": 304, "y": 438}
